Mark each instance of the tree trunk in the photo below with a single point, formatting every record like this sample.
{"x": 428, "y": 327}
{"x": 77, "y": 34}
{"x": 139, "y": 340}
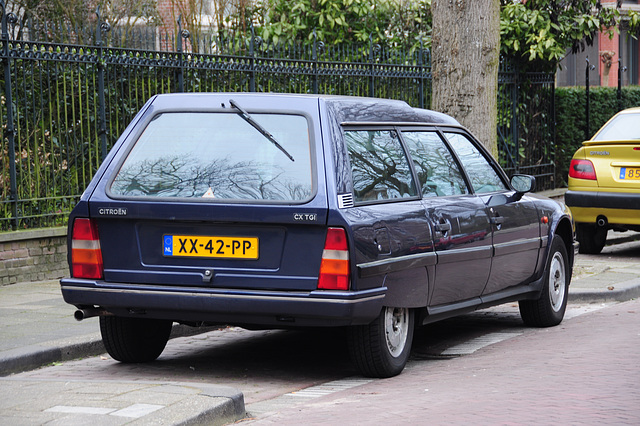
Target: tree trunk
{"x": 464, "y": 62}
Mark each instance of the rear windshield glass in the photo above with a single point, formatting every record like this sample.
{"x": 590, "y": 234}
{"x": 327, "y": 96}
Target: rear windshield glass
{"x": 624, "y": 127}
{"x": 219, "y": 156}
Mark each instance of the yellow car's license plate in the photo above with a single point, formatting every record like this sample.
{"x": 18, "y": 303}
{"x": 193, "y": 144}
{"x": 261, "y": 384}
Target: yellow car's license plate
{"x": 200, "y": 246}
{"x": 630, "y": 173}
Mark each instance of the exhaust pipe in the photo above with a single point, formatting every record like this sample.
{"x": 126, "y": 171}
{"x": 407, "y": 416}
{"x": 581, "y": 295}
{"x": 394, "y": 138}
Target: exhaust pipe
{"x": 81, "y": 314}
{"x": 602, "y": 221}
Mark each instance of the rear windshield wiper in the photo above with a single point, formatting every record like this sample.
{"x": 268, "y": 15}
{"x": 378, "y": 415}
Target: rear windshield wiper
{"x": 246, "y": 117}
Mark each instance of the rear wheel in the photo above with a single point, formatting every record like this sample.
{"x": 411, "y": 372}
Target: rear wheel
{"x": 134, "y": 339}
{"x": 549, "y": 309}
{"x": 382, "y": 348}
{"x": 592, "y": 238}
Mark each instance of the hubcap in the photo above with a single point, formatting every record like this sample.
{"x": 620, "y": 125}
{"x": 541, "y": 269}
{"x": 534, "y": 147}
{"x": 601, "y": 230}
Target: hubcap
{"x": 396, "y": 325}
{"x": 557, "y": 281}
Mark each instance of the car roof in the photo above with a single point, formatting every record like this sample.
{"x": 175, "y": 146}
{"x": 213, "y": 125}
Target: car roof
{"x": 630, "y": 110}
{"x": 351, "y": 109}
{"x": 348, "y": 109}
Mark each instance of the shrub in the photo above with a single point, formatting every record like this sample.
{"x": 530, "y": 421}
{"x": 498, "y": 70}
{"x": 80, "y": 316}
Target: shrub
{"x": 571, "y": 118}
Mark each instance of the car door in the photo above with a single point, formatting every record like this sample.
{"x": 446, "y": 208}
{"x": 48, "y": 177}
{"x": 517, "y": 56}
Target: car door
{"x": 514, "y": 219}
{"x": 462, "y": 232}
{"x": 392, "y": 237}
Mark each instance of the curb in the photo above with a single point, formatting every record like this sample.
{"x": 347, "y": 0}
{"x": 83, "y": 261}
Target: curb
{"x": 35, "y": 356}
{"x": 189, "y": 403}
{"x": 622, "y": 292}
{"x": 231, "y": 410}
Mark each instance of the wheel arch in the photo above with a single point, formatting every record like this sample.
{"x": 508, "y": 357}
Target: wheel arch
{"x": 564, "y": 230}
{"x": 408, "y": 289}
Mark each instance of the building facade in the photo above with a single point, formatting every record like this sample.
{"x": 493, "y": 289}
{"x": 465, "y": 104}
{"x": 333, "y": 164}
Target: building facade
{"x": 607, "y": 55}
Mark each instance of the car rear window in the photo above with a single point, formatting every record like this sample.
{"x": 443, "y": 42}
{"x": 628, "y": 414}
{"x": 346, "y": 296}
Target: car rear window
{"x": 219, "y": 156}
{"x": 624, "y": 127}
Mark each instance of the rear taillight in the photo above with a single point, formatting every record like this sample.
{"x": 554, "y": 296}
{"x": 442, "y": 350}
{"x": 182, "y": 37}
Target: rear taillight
{"x": 334, "y": 270}
{"x": 86, "y": 255}
{"x": 582, "y": 169}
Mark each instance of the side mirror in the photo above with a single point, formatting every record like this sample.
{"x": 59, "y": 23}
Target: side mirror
{"x": 523, "y": 183}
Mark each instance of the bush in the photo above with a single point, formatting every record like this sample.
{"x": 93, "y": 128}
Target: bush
{"x": 571, "y": 118}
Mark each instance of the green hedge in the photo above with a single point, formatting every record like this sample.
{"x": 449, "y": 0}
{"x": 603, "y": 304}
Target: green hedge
{"x": 571, "y": 118}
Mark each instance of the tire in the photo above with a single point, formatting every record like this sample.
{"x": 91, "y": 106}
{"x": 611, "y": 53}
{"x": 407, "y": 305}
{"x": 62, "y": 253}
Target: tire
{"x": 549, "y": 309}
{"x": 592, "y": 238}
{"x": 133, "y": 340}
{"x": 381, "y": 349}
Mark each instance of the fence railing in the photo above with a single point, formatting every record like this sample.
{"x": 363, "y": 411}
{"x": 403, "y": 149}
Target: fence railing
{"x": 64, "y": 105}
{"x": 526, "y": 124}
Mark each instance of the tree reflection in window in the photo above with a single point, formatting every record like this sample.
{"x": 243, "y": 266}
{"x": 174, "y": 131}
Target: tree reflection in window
{"x": 483, "y": 176}
{"x": 218, "y": 156}
{"x": 379, "y": 167}
{"x": 188, "y": 177}
{"x": 438, "y": 173}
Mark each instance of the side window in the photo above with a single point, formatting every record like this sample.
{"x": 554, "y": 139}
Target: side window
{"x": 379, "y": 166}
{"x": 483, "y": 176}
{"x": 438, "y": 172}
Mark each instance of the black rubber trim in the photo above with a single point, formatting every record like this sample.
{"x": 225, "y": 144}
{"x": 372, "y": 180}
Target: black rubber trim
{"x": 228, "y": 306}
{"x": 606, "y": 200}
{"x": 381, "y": 267}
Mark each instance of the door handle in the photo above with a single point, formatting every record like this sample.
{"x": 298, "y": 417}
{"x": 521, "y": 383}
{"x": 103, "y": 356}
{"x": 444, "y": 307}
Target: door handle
{"x": 497, "y": 220}
{"x": 443, "y": 227}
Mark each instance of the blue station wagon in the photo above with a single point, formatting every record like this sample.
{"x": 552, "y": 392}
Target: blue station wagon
{"x": 282, "y": 211}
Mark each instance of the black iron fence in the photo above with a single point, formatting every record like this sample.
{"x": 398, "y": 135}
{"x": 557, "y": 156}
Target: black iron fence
{"x": 526, "y": 124}
{"x": 64, "y": 105}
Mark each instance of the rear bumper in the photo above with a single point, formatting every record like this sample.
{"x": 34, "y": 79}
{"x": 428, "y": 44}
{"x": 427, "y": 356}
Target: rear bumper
{"x": 618, "y": 207}
{"x": 224, "y": 306}
{"x": 607, "y": 200}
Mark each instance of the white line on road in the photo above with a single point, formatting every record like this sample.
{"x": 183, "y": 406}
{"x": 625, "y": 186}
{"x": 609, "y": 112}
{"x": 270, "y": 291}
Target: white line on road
{"x": 473, "y": 345}
{"x": 576, "y": 311}
{"x": 298, "y": 397}
{"x": 330, "y": 387}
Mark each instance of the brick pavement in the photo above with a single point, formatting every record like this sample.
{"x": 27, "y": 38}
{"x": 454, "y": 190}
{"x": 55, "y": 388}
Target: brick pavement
{"x": 271, "y": 368}
{"x": 584, "y": 371}
{"x": 264, "y": 364}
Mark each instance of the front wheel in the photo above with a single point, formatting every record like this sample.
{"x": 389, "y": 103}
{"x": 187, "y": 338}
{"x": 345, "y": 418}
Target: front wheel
{"x": 134, "y": 339}
{"x": 549, "y": 309}
{"x": 381, "y": 348}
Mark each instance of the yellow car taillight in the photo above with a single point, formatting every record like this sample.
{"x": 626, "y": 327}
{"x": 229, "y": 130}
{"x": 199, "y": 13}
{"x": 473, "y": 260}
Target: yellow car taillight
{"x": 582, "y": 169}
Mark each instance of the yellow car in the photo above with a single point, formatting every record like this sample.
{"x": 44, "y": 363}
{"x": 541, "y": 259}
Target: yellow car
{"x": 604, "y": 182}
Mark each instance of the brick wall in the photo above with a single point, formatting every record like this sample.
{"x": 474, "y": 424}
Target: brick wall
{"x": 35, "y": 255}
{"x": 609, "y": 55}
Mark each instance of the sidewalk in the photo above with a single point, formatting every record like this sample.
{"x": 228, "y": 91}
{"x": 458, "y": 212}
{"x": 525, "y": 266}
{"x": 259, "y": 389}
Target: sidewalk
{"x": 38, "y": 329}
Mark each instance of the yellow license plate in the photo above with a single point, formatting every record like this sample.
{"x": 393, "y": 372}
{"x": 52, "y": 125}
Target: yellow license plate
{"x": 199, "y": 246}
{"x": 630, "y": 173}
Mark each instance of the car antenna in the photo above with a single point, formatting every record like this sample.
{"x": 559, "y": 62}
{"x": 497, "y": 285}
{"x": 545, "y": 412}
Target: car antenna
{"x": 246, "y": 117}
